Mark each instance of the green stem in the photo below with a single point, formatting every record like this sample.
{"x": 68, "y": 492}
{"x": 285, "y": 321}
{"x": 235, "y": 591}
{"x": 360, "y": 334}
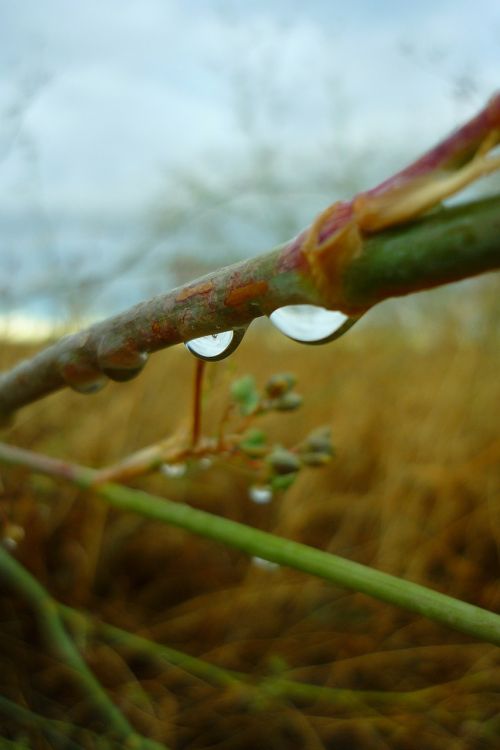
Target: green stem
{"x": 62, "y": 645}
{"x": 57, "y": 731}
{"x": 274, "y": 685}
{"x": 449, "y": 245}
{"x": 467, "y": 618}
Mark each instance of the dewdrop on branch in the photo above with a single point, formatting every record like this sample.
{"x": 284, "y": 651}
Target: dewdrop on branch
{"x": 216, "y": 346}
{"x": 309, "y": 324}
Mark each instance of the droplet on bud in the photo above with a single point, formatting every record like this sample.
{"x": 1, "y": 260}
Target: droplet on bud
{"x": 80, "y": 375}
{"x": 260, "y": 494}
{"x": 206, "y": 462}
{"x": 217, "y": 345}
{"x": 309, "y": 324}
{"x": 259, "y": 562}
{"x": 173, "y": 471}
{"x": 119, "y": 359}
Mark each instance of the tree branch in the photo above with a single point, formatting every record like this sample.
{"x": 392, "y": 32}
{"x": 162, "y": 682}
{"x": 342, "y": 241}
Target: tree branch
{"x": 355, "y": 254}
{"x": 453, "y": 613}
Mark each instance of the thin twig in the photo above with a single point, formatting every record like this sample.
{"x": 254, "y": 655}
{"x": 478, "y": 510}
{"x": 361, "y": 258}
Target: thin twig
{"x": 62, "y": 645}
{"x": 197, "y": 400}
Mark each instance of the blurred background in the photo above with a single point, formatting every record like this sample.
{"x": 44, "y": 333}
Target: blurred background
{"x": 141, "y": 145}
{"x": 144, "y": 144}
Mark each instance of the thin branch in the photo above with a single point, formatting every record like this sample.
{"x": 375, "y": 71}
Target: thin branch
{"x": 62, "y": 645}
{"x": 355, "y": 254}
{"x": 453, "y": 613}
{"x": 276, "y": 685}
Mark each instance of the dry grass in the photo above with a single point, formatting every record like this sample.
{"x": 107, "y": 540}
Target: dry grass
{"x": 414, "y": 490}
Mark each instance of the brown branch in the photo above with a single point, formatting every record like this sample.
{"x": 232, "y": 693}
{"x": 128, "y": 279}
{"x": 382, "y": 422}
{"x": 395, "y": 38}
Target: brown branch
{"x": 345, "y": 261}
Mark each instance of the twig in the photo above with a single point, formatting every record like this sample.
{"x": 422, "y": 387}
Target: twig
{"x": 197, "y": 398}
{"x": 345, "y": 261}
{"x": 453, "y": 613}
{"x": 63, "y": 647}
{"x": 57, "y": 731}
{"x": 275, "y": 685}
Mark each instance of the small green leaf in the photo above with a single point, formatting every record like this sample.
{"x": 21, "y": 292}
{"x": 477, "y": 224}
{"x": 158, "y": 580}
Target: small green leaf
{"x": 253, "y": 443}
{"x": 283, "y": 482}
{"x": 245, "y": 393}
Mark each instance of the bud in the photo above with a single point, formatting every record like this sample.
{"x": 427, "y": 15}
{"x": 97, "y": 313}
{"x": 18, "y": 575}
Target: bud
{"x": 279, "y": 384}
{"x": 319, "y": 441}
{"x": 283, "y": 462}
{"x": 315, "y": 459}
{"x": 288, "y": 402}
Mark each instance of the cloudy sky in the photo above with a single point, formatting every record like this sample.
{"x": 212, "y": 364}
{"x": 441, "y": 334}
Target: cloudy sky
{"x": 101, "y": 101}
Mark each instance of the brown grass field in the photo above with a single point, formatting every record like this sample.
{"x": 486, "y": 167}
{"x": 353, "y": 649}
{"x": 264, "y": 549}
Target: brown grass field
{"x": 414, "y": 489}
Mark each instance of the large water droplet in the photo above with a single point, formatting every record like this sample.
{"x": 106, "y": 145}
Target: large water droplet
{"x": 215, "y": 346}
{"x": 260, "y": 494}
{"x": 310, "y": 324}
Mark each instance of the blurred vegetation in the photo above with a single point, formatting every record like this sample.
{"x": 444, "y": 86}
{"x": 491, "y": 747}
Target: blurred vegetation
{"x": 413, "y": 489}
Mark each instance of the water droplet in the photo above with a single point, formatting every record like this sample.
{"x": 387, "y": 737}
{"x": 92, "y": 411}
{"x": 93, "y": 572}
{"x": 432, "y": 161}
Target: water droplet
{"x": 310, "y": 324}
{"x": 205, "y": 462}
{"x": 260, "y": 494}
{"x": 264, "y": 564}
{"x": 90, "y": 386}
{"x": 80, "y": 375}
{"x": 118, "y": 360}
{"x": 173, "y": 471}
{"x": 217, "y": 345}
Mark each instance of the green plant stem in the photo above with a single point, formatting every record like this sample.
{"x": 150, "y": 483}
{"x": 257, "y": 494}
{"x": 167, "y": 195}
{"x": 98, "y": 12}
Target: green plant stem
{"x": 211, "y": 673}
{"x": 273, "y": 685}
{"x": 453, "y": 613}
{"x": 58, "y": 732}
{"x": 61, "y": 644}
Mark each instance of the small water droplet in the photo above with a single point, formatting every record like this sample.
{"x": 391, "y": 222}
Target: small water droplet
{"x": 264, "y": 564}
{"x": 260, "y": 494}
{"x": 88, "y": 387}
{"x": 9, "y": 543}
{"x": 119, "y": 361}
{"x": 80, "y": 375}
{"x": 217, "y": 345}
{"x": 205, "y": 462}
{"x": 174, "y": 471}
{"x": 310, "y": 324}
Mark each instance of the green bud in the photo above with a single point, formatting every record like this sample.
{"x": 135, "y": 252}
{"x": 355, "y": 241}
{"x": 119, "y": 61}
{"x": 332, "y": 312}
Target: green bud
{"x": 315, "y": 459}
{"x": 288, "y": 402}
{"x": 283, "y": 482}
{"x": 283, "y": 462}
{"x": 279, "y": 384}
{"x": 319, "y": 441}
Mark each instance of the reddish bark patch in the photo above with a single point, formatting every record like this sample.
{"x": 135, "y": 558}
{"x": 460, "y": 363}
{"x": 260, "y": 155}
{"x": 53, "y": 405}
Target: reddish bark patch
{"x": 245, "y": 293}
{"x": 191, "y": 291}
{"x": 156, "y": 328}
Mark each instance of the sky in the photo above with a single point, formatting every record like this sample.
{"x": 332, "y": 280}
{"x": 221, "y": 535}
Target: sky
{"x": 102, "y": 104}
